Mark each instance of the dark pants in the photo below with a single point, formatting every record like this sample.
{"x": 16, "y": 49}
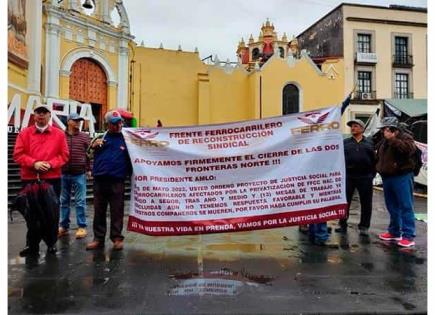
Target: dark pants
{"x": 108, "y": 191}
{"x": 364, "y": 185}
{"x": 34, "y": 235}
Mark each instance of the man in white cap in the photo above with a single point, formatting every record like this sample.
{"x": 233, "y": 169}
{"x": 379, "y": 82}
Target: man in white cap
{"x": 360, "y": 169}
{"x": 74, "y": 174}
{"x": 111, "y": 166}
{"x": 41, "y": 151}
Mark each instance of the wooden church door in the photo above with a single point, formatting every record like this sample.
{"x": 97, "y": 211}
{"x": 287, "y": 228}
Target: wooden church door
{"x": 88, "y": 84}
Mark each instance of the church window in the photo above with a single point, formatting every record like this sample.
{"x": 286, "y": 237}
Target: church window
{"x": 290, "y": 99}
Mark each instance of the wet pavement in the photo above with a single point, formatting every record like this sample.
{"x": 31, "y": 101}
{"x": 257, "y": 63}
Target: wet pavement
{"x": 259, "y": 272}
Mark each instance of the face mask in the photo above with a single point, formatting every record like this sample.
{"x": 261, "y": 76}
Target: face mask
{"x": 41, "y": 129}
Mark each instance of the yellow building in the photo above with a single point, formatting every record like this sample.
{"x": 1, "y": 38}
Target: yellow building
{"x": 177, "y": 88}
{"x": 384, "y": 50}
{"x": 80, "y": 60}
{"x": 67, "y": 56}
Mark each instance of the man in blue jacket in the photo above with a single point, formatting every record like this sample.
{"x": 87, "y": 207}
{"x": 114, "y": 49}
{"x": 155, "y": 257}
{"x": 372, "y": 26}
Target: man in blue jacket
{"x": 111, "y": 166}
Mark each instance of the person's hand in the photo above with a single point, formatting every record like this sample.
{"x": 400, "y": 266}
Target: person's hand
{"x": 88, "y": 175}
{"x": 98, "y": 143}
{"x": 42, "y": 166}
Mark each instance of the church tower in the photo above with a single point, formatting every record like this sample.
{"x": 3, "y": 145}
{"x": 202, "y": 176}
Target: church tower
{"x": 260, "y": 50}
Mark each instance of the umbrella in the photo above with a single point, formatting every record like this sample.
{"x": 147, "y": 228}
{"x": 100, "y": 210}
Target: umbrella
{"x": 38, "y": 204}
{"x": 125, "y": 114}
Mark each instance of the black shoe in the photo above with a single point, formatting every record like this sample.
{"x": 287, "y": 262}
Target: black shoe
{"x": 28, "y": 251}
{"x": 303, "y": 229}
{"x": 327, "y": 244}
{"x": 52, "y": 250}
{"x": 341, "y": 229}
{"x": 364, "y": 231}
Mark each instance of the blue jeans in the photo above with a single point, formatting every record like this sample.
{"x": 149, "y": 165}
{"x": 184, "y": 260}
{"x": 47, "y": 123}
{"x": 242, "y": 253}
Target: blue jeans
{"x": 318, "y": 232}
{"x": 76, "y": 183}
{"x": 400, "y": 204}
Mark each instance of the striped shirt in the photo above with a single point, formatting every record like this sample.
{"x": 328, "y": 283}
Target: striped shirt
{"x": 78, "y": 162}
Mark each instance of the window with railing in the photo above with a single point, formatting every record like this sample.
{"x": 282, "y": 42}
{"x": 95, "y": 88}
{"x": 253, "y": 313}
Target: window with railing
{"x": 365, "y": 81}
{"x": 364, "y": 43}
{"x": 402, "y": 85}
{"x": 401, "y": 56}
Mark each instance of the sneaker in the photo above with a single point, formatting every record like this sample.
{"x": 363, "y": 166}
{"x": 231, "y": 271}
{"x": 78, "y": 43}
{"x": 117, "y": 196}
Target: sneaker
{"x": 406, "y": 243}
{"x": 94, "y": 245}
{"x": 118, "y": 245}
{"x": 62, "y": 232}
{"x": 81, "y": 233}
{"x": 389, "y": 237}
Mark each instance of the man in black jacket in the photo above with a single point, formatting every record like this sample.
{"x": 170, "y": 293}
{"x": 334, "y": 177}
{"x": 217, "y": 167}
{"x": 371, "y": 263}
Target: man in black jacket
{"x": 360, "y": 169}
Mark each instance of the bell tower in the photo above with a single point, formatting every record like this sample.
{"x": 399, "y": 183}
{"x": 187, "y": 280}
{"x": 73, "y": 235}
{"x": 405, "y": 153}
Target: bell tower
{"x": 260, "y": 50}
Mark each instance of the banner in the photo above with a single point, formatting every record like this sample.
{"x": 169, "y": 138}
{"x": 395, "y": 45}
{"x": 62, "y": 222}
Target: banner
{"x": 258, "y": 174}
{"x": 421, "y": 178}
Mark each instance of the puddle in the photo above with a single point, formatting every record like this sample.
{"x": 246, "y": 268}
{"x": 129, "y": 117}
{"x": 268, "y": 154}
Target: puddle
{"x": 224, "y": 282}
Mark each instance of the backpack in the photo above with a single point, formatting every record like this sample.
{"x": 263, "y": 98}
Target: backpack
{"x": 416, "y": 158}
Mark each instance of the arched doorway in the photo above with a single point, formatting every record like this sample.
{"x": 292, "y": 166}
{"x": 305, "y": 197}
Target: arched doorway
{"x": 290, "y": 99}
{"x": 88, "y": 84}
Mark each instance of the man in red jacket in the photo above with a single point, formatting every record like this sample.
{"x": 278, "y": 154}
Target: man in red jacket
{"x": 41, "y": 150}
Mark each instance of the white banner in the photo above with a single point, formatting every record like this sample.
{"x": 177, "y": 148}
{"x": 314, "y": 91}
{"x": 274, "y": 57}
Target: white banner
{"x": 421, "y": 178}
{"x": 258, "y": 174}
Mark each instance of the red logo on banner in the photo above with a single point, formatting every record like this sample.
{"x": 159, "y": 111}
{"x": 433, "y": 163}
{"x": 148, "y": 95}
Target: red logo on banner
{"x": 312, "y": 118}
{"x": 143, "y": 133}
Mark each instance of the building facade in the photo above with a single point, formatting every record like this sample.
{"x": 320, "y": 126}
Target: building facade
{"x": 85, "y": 60}
{"x": 384, "y": 51}
{"x": 177, "y": 88}
{"x": 72, "y": 58}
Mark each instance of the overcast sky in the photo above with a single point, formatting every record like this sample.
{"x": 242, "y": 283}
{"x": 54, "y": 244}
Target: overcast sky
{"x": 216, "y": 27}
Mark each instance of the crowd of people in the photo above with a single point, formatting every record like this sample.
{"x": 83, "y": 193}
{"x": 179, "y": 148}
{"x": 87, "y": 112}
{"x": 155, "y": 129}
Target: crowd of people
{"x": 63, "y": 159}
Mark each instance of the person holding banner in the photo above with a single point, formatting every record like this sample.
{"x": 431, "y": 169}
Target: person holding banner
{"x": 360, "y": 170}
{"x": 395, "y": 164}
{"x": 319, "y": 232}
{"x": 111, "y": 166}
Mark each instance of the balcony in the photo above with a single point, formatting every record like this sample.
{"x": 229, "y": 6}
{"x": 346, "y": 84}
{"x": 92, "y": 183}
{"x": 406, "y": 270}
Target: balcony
{"x": 366, "y": 58}
{"x": 403, "y": 95}
{"x": 364, "y": 96}
{"x": 403, "y": 61}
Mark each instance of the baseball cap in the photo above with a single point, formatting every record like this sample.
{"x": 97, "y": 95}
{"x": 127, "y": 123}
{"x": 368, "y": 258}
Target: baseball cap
{"x": 389, "y": 122}
{"x": 74, "y": 116}
{"x": 356, "y": 121}
{"x": 113, "y": 117}
{"x": 41, "y": 106}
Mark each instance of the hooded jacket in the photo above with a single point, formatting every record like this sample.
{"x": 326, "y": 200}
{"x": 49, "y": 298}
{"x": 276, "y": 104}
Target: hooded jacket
{"x": 394, "y": 156}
